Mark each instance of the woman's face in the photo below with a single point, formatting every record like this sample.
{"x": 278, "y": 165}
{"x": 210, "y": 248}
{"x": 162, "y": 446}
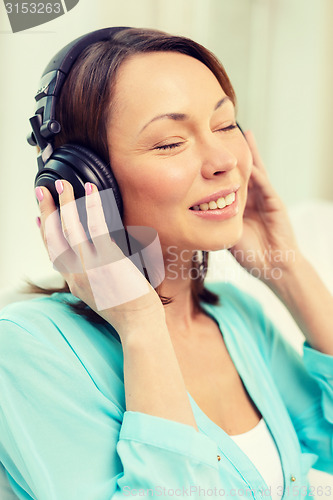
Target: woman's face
{"x": 172, "y": 144}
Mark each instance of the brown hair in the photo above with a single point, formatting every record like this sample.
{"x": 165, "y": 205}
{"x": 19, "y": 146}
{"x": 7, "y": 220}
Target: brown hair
{"x": 83, "y": 111}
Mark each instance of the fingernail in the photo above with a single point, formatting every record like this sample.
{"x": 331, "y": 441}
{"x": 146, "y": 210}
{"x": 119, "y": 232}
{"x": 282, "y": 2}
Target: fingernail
{"x": 39, "y": 193}
{"x": 38, "y": 222}
{"x": 88, "y": 188}
{"x": 59, "y": 186}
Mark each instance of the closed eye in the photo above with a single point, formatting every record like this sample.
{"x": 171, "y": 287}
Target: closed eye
{"x": 226, "y": 129}
{"x": 169, "y": 146}
{"x": 175, "y": 145}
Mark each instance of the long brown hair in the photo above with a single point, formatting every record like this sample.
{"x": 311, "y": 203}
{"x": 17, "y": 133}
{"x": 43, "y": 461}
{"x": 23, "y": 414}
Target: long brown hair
{"x": 83, "y": 111}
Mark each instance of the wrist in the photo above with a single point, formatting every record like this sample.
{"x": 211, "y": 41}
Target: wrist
{"x": 144, "y": 332}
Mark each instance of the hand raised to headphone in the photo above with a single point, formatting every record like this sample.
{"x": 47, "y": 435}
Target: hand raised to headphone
{"x": 268, "y": 241}
{"x": 97, "y": 271}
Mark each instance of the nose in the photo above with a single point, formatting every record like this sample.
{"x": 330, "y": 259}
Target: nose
{"x": 216, "y": 157}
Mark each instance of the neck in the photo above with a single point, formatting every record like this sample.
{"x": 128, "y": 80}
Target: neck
{"x": 180, "y": 271}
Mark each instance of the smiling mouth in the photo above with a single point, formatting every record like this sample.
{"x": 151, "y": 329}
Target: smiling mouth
{"x": 220, "y": 203}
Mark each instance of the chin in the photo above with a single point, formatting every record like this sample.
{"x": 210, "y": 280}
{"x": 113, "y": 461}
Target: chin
{"x": 224, "y": 241}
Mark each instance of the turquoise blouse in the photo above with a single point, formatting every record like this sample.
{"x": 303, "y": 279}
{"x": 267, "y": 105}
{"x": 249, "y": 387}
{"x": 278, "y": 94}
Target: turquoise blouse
{"x": 65, "y": 433}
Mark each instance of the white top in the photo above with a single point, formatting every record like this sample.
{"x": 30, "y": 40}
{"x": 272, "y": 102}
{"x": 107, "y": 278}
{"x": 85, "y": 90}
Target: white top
{"x": 260, "y": 447}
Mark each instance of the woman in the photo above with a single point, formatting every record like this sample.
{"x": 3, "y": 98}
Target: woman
{"x": 192, "y": 396}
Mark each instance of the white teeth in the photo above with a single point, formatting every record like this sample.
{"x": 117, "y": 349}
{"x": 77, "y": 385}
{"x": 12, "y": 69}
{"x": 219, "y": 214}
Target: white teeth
{"x": 204, "y": 206}
{"x": 230, "y": 198}
{"x": 220, "y": 203}
{"x": 212, "y": 205}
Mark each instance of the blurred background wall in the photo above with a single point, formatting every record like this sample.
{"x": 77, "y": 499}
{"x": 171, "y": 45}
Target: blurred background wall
{"x": 278, "y": 54}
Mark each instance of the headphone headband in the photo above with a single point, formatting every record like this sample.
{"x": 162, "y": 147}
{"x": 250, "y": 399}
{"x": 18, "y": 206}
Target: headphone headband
{"x": 65, "y": 58}
{"x": 43, "y": 123}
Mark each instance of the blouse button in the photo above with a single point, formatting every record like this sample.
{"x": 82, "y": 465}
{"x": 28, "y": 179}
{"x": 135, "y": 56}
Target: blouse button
{"x": 218, "y": 457}
{"x": 293, "y": 478}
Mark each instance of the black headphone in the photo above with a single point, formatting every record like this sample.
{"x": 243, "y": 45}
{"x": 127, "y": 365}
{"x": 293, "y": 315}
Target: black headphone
{"x": 72, "y": 162}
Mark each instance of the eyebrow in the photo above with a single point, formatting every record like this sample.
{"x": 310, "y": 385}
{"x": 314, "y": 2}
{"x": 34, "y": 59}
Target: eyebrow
{"x": 182, "y": 116}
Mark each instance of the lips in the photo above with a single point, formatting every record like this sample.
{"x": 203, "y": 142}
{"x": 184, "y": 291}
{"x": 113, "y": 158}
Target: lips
{"x": 215, "y": 196}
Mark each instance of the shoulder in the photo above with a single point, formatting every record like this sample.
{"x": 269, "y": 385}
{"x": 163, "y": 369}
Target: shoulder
{"x": 59, "y": 357}
{"x": 49, "y": 320}
{"x": 28, "y": 309}
{"x": 45, "y": 338}
{"x": 35, "y": 314}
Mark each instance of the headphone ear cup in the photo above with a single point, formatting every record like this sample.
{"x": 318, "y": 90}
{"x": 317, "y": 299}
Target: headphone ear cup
{"x": 101, "y": 171}
{"x": 78, "y": 165}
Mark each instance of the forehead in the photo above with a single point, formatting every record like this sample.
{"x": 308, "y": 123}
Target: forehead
{"x": 162, "y": 79}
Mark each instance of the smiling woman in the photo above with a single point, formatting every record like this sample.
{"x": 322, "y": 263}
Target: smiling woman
{"x": 179, "y": 133}
{"x": 92, "y": 118}
{"x": 148, "y": 394}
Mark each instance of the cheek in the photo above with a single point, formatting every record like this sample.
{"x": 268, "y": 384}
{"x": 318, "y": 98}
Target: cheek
{"x": 165, "y": 181}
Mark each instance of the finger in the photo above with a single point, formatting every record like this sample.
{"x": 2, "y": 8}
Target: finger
{"x": 71, "y": 225}
{"x": 41, "y": 232}
{"x": 264, "y": 195}
{"x": 97, "y": 226}
{"x": 260, "y": 180}
{"x": 106, "y": 248}
{"x": 257, "y": 160}
{"x": 61, "y": 255}
{"x": 50, "y": 226}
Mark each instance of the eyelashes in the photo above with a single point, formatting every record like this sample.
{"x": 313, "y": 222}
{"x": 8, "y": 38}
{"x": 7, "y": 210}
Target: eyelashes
{"x": 226, "y": 129}
{"x": 175, "y": 145}
{"x": 169, "y": 146}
